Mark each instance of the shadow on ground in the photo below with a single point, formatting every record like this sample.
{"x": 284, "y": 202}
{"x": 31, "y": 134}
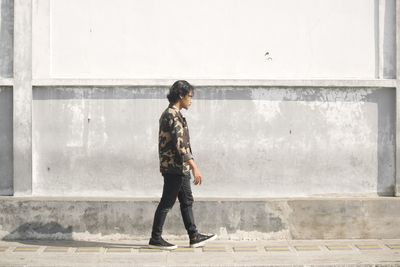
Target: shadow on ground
{"x": 54, "y": 234}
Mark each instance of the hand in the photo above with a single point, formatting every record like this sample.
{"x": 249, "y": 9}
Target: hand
{"x": 197, "y": 176}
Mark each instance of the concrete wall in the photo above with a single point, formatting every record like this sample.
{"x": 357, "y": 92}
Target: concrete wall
{"x": 206, "y": 39}
{"x": 6, "y": 141}
{"x": 6, "y": 97}
{"x": 281, "y": 138}
{"x": 6, "y": 38}
{"x": 259, "y": 141}
{"x": 387, "y": 34}
{"x": 80, "y": 219}
{"x": 248, "y": 141}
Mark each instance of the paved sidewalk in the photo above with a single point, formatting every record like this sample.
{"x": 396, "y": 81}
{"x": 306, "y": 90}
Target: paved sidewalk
{"x": 216, "y": 253}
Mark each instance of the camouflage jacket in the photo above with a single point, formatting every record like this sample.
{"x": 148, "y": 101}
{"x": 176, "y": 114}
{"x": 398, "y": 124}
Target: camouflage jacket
{"x": 174, "y": 142}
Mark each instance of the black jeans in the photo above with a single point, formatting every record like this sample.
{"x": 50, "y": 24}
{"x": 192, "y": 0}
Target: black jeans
{"x": 175, "y": 186}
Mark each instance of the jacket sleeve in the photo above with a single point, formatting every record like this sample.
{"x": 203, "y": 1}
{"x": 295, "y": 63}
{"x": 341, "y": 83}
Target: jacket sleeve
{"x": 178, "y": 139}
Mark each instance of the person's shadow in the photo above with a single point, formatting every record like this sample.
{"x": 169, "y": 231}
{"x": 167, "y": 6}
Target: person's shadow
{"x": 39, "y": 234}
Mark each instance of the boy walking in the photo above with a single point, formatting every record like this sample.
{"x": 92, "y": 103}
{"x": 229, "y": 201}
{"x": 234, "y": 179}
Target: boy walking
{"x": 176, "y": 162}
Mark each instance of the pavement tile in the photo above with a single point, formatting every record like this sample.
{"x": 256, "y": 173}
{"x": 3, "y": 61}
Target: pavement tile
{"x": 368, "y": 247}
{"x": 338, "y": 247}
{"x": 118, "y": 250}
{"x": 277, "y": 248}
{"x": 307, "y": 248}
{"x": 56, "y": 249}
{"x": 214, "y": 249}
{"x": 88, "y": 250}
{"x": 183, "y": 249}
{"x": 150, "y": 250}
{"x": 245, "y": 249}
{"x": 326, "y": 253}
{"x": 26, "y": 249}
{"x": 2, "y": 249}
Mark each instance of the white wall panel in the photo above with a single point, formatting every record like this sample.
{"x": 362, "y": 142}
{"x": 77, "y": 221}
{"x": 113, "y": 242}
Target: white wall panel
{"x": 206, "y": 39}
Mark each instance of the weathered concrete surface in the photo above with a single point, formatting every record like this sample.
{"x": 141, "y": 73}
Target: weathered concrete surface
{"x": 248, "y": 141}
{"x": 388, "y": 36}
{"x": 6, "y": 141}
{"x": 22, "y": 98}
{"x": 309, "y": 218}
{"x": 385, "y": 39}
{"x": 397, "y": 189}
{"x": 6, "y": 38}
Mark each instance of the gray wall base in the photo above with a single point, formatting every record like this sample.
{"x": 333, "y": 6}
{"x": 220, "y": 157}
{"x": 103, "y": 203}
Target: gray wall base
{"x": 306, "y": 218}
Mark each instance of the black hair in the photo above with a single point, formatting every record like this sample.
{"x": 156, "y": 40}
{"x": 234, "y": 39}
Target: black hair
{"x": 179, "y": 90}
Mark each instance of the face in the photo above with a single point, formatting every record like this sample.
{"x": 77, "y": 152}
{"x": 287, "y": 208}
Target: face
{"x": 186, "y": 101}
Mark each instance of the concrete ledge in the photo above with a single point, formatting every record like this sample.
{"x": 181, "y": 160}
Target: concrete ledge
{"x": 6, "y": 82}
{"x": 307, "y": 218}
{"x": 383, "y": 83}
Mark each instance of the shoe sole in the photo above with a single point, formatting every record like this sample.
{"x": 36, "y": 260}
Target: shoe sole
{"x": 202, "y": 243}
{"x": 163, "y": 248}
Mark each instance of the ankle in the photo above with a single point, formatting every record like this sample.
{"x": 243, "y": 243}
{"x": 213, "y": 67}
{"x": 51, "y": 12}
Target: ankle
{"x": 193, "y": 235}
{"x": 156, "y": 237}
